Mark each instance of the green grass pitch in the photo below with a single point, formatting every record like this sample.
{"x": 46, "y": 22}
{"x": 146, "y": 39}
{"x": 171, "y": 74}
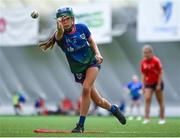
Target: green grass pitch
{"x": 23, "y": 126}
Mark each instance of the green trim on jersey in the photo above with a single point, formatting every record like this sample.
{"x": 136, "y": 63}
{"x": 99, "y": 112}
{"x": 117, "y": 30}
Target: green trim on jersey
{"x": 77, "y": 67}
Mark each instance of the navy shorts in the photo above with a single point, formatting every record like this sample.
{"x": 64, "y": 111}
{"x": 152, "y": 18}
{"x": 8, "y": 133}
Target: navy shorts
{"x": 80, "y": 77}
{"x": 153, "y": 86}
{"x": 135, "y": 98}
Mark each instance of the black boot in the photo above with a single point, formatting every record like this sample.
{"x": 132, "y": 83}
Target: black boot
{"x": 119, "y": 116}
{"x": 78, "y": 129}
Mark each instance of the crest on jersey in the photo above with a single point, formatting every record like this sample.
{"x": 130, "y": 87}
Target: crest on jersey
{"x": 83, "y": 36}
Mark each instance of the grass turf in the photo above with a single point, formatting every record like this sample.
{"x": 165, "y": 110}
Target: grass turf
{"x": 21, "y": 126}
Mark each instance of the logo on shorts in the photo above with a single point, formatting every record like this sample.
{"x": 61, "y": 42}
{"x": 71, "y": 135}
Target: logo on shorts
{"x": 79, "y": 76}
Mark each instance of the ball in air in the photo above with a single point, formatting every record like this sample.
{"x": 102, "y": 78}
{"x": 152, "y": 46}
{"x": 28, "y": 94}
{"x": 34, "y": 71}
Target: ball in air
{"x": 35, "y": 14}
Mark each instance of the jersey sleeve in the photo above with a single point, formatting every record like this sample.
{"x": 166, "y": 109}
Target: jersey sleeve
{"x": 128, "y": 85}
{"x": 141, "y": 67}
{"x": 86, "y": 31}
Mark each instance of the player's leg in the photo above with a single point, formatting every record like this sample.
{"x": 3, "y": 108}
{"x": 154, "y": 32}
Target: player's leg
{"x": 91, "y": 75}
{"x": 102, "y": 102}
{"x": 16, "y": 109}
{"x": 131, "y": 109}
{"x": 138, "y": 105}
{"x": 160, "y": 99}
{"x": 88, "y": 83}
{"x": 99, "y": 100}
{"x": 148, "y": 97}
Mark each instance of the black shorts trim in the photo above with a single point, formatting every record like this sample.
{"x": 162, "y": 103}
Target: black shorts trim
{"x": 153, "y": 86}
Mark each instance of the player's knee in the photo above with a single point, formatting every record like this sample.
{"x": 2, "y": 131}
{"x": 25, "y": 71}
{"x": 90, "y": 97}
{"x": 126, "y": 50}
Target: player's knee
{"x": 86, "y": 90}
{"x": 161, "y": 104}
{"x": 148, "y": 99}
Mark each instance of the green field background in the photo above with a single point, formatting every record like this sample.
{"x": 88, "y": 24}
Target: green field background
{"x": 23, "y": 126}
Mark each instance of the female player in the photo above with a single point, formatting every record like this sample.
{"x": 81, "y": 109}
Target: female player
{"x": 134, "y": 89}
{"x": 84, "y": 60}
{"x": 152, "y": 72}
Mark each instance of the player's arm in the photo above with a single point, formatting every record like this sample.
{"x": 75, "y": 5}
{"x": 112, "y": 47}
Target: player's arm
{"x": 126, "y": 90}
{"x": 159, "y": 67}
{"x": 57, "y": 35}
{"x": 47, "y": 44}
{"x": 142, "y": 77}
{"x": 160, "y": 78}
{"x": 141, "y": 89}
{"x": 142, "y": 80}
{"x": 60, "y": 30}
{"x": 158, "y": 88}
{"x": 96, "y": 50}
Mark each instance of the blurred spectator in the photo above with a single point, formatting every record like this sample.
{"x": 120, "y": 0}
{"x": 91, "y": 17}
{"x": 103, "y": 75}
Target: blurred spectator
{"x": 40, "y": 106}
{"x": 78, "y": 106}
{"x": 133, "y": 88}
{"x": 67, "y": 107}
{"x": 16, "y": 103}
{"x": 122, "y": 106}
{"x": 19, "y": 99}
{"x": 93, "y": 111}
{"x": 93, "y": 107}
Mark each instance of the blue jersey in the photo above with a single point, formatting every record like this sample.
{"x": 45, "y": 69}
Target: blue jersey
{"x": 134, "y": 89}
{"x": 76, "y": 47}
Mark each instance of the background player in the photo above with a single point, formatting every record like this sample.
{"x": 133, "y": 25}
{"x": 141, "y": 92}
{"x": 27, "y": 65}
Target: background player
{"x": 133, "y": 88}
{"x": 152, "y": 72}
{"x": 84, "y": 60}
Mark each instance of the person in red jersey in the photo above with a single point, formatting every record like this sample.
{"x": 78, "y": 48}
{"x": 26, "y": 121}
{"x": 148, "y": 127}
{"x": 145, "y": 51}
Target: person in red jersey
{"x": 152, "y": 71}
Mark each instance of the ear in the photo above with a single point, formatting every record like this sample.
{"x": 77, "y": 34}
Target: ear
{"x": 73, "y": 19}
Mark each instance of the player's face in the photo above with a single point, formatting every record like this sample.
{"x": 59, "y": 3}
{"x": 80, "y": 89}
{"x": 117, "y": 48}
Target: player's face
{"x": 135, "y": 78}
{"x": 147, "y": 53}
{"x": 67, "y": 22}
